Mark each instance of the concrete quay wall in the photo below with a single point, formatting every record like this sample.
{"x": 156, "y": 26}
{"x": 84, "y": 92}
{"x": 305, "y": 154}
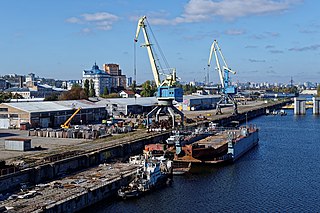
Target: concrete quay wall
{"x": 242, "y": 117}
{"x": 89, "y": 197}
{"x": 66, "y": 166}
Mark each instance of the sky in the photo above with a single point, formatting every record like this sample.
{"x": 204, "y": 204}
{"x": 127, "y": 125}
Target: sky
{"x": 262, "y": 40}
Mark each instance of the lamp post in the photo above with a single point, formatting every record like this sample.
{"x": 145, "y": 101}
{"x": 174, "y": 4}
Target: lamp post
{"x": 246, "y": 119}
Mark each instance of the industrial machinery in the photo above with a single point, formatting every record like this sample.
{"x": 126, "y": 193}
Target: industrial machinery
{"x": 66, "y": 124}
{"x": 167, "y": 91}
{"x": 227, "y": 90}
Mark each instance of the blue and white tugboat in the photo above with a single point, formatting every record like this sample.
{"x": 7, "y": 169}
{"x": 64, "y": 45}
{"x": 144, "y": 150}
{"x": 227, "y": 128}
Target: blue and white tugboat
{"x": 153, "y": 173}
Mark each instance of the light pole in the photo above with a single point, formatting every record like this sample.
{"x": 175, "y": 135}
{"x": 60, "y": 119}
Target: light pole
{"x": 246, "y": 119}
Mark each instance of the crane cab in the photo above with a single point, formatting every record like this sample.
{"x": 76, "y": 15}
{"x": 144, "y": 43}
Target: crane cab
{"x": 167, "y": 92}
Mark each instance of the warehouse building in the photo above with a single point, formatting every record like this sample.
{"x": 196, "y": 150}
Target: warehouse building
{"x": 127, "y": 106}
{"x": 49, "y": 113}
{"x": 198, "y": 102}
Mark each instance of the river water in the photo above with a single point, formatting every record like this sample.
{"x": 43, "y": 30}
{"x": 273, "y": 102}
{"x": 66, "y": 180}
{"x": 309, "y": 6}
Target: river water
{"x": 281, "y": 174}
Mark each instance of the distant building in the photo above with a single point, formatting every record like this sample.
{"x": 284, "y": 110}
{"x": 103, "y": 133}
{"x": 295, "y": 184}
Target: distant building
{"x": 68, "y": 84}
{"x": 39, "y": 91}
{"x": 30, "y": 80}
{"x": 3, "y": 84}
{"x": 126, "y": 94}
{"x": 101, "y": 79}
{"x": 118, "y": 80}
{"x": 129, "y": 82}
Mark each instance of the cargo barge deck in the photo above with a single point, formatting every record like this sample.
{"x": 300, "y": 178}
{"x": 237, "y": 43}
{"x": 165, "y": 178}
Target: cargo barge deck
{"x": 224, "y": 147}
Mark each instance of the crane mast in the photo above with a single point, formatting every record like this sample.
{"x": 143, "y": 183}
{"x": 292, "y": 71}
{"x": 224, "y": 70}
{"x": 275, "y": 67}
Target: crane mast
{"x": 167, "y": 92}
{"x": 227, "y": 90}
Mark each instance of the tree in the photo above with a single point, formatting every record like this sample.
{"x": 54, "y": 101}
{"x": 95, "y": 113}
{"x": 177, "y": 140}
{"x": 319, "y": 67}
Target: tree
{"x": 92, "y": 93}
{"x": 17, "y": 96}
{"x": 86, "y": 87}
{"x": 105, "y": 91}
{"x": 148, "y": 89}
{"x": 318, "y": 91}
{"x": 5, "y": 96}
{"x": 52, "y": 97}
{"x": 189, "y": 89}
{"x": 134, "y": 86}
{"x": 112, "y": 95}
{"x": 75, "y": 93}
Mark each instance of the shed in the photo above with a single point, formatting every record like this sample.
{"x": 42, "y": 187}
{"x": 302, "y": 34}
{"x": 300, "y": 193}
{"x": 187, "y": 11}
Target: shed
{"x": 17, "y": 144}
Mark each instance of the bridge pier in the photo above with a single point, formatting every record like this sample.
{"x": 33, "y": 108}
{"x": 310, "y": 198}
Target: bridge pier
{"x": 316, "y": 105}
{"x": 299, "y": 106}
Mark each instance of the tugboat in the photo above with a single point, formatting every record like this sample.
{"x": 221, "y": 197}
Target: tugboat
{"x": 154, "y": 173}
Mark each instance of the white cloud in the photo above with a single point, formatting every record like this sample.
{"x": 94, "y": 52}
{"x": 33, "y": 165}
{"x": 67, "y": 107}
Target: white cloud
{"x": 101, "y": 16}
{"x": 98, "y": 21}
{"x": 204, "y": 10}
{"x": 73, "y": 20}
{"x": 235, "y": 32}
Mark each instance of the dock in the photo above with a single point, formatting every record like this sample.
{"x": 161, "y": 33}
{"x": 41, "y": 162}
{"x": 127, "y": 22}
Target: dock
{"x": 73, "y": 193}
{"x": 64, "y": 163}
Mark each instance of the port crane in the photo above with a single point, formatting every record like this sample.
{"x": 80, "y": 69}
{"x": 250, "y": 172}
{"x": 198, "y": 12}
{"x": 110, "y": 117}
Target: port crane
{"x": 227, "y": 91}
{"x": 66, "y": 125}
{"x": 167, "y": 92}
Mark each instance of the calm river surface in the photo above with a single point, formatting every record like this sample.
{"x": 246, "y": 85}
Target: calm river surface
{"x": 281, "y": 174}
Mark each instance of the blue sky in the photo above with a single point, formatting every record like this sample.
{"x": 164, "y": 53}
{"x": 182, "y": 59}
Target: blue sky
{"x": 263, "y": 40}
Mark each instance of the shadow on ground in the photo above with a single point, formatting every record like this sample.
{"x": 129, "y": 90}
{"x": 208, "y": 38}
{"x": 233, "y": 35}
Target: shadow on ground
{"x": 3, "y": 135}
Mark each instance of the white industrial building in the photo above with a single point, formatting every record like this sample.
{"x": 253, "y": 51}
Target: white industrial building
{"x": 49, "y": 113}
{"x": 126, "y": 106}
{"x": 198, "y": 102}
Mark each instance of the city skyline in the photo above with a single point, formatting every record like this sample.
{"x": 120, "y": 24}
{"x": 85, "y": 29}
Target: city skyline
{"x": 262, "y": 40}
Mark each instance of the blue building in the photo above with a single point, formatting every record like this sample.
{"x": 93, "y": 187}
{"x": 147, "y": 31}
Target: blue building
{"x": 100, "y": 79}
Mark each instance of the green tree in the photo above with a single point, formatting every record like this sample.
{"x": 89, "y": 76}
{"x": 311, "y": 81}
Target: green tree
{"x": 189, "y": 89}
{"x": 318, "y": 91}
{"x": 105, "y": 91}
{"x": 92, "y": 93}
{"x": 86, "y": 86}
{"x": 148, "y": 89}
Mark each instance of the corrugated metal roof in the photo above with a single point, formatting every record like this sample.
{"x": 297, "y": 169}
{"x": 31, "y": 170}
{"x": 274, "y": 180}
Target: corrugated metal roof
{"x": 143, "y": 101}
{"x": 48, "y": 106}
{"x": 188, "y": 97}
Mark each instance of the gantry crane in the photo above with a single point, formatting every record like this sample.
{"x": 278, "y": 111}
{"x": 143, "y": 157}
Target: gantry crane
{"x": 167, "y": 91}
{"x": 227, "y": 90}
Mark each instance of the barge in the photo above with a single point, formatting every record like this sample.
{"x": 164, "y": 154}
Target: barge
{"x": 226, "y": 145}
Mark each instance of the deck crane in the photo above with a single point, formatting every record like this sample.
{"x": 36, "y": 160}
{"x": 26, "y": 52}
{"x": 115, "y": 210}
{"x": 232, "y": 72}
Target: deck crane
{"x": 167, "y": 91}
{"x": 227, "y": 91}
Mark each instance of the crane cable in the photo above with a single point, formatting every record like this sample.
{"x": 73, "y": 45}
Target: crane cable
{"x": 160, "y": 50}
{"x": 135, "y": 63}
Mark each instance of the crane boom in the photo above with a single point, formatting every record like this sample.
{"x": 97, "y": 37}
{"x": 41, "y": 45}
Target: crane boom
{"x": 66, "y": 124}
{"x": 142, "y": 25}
{"x": 223, "y": 74}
